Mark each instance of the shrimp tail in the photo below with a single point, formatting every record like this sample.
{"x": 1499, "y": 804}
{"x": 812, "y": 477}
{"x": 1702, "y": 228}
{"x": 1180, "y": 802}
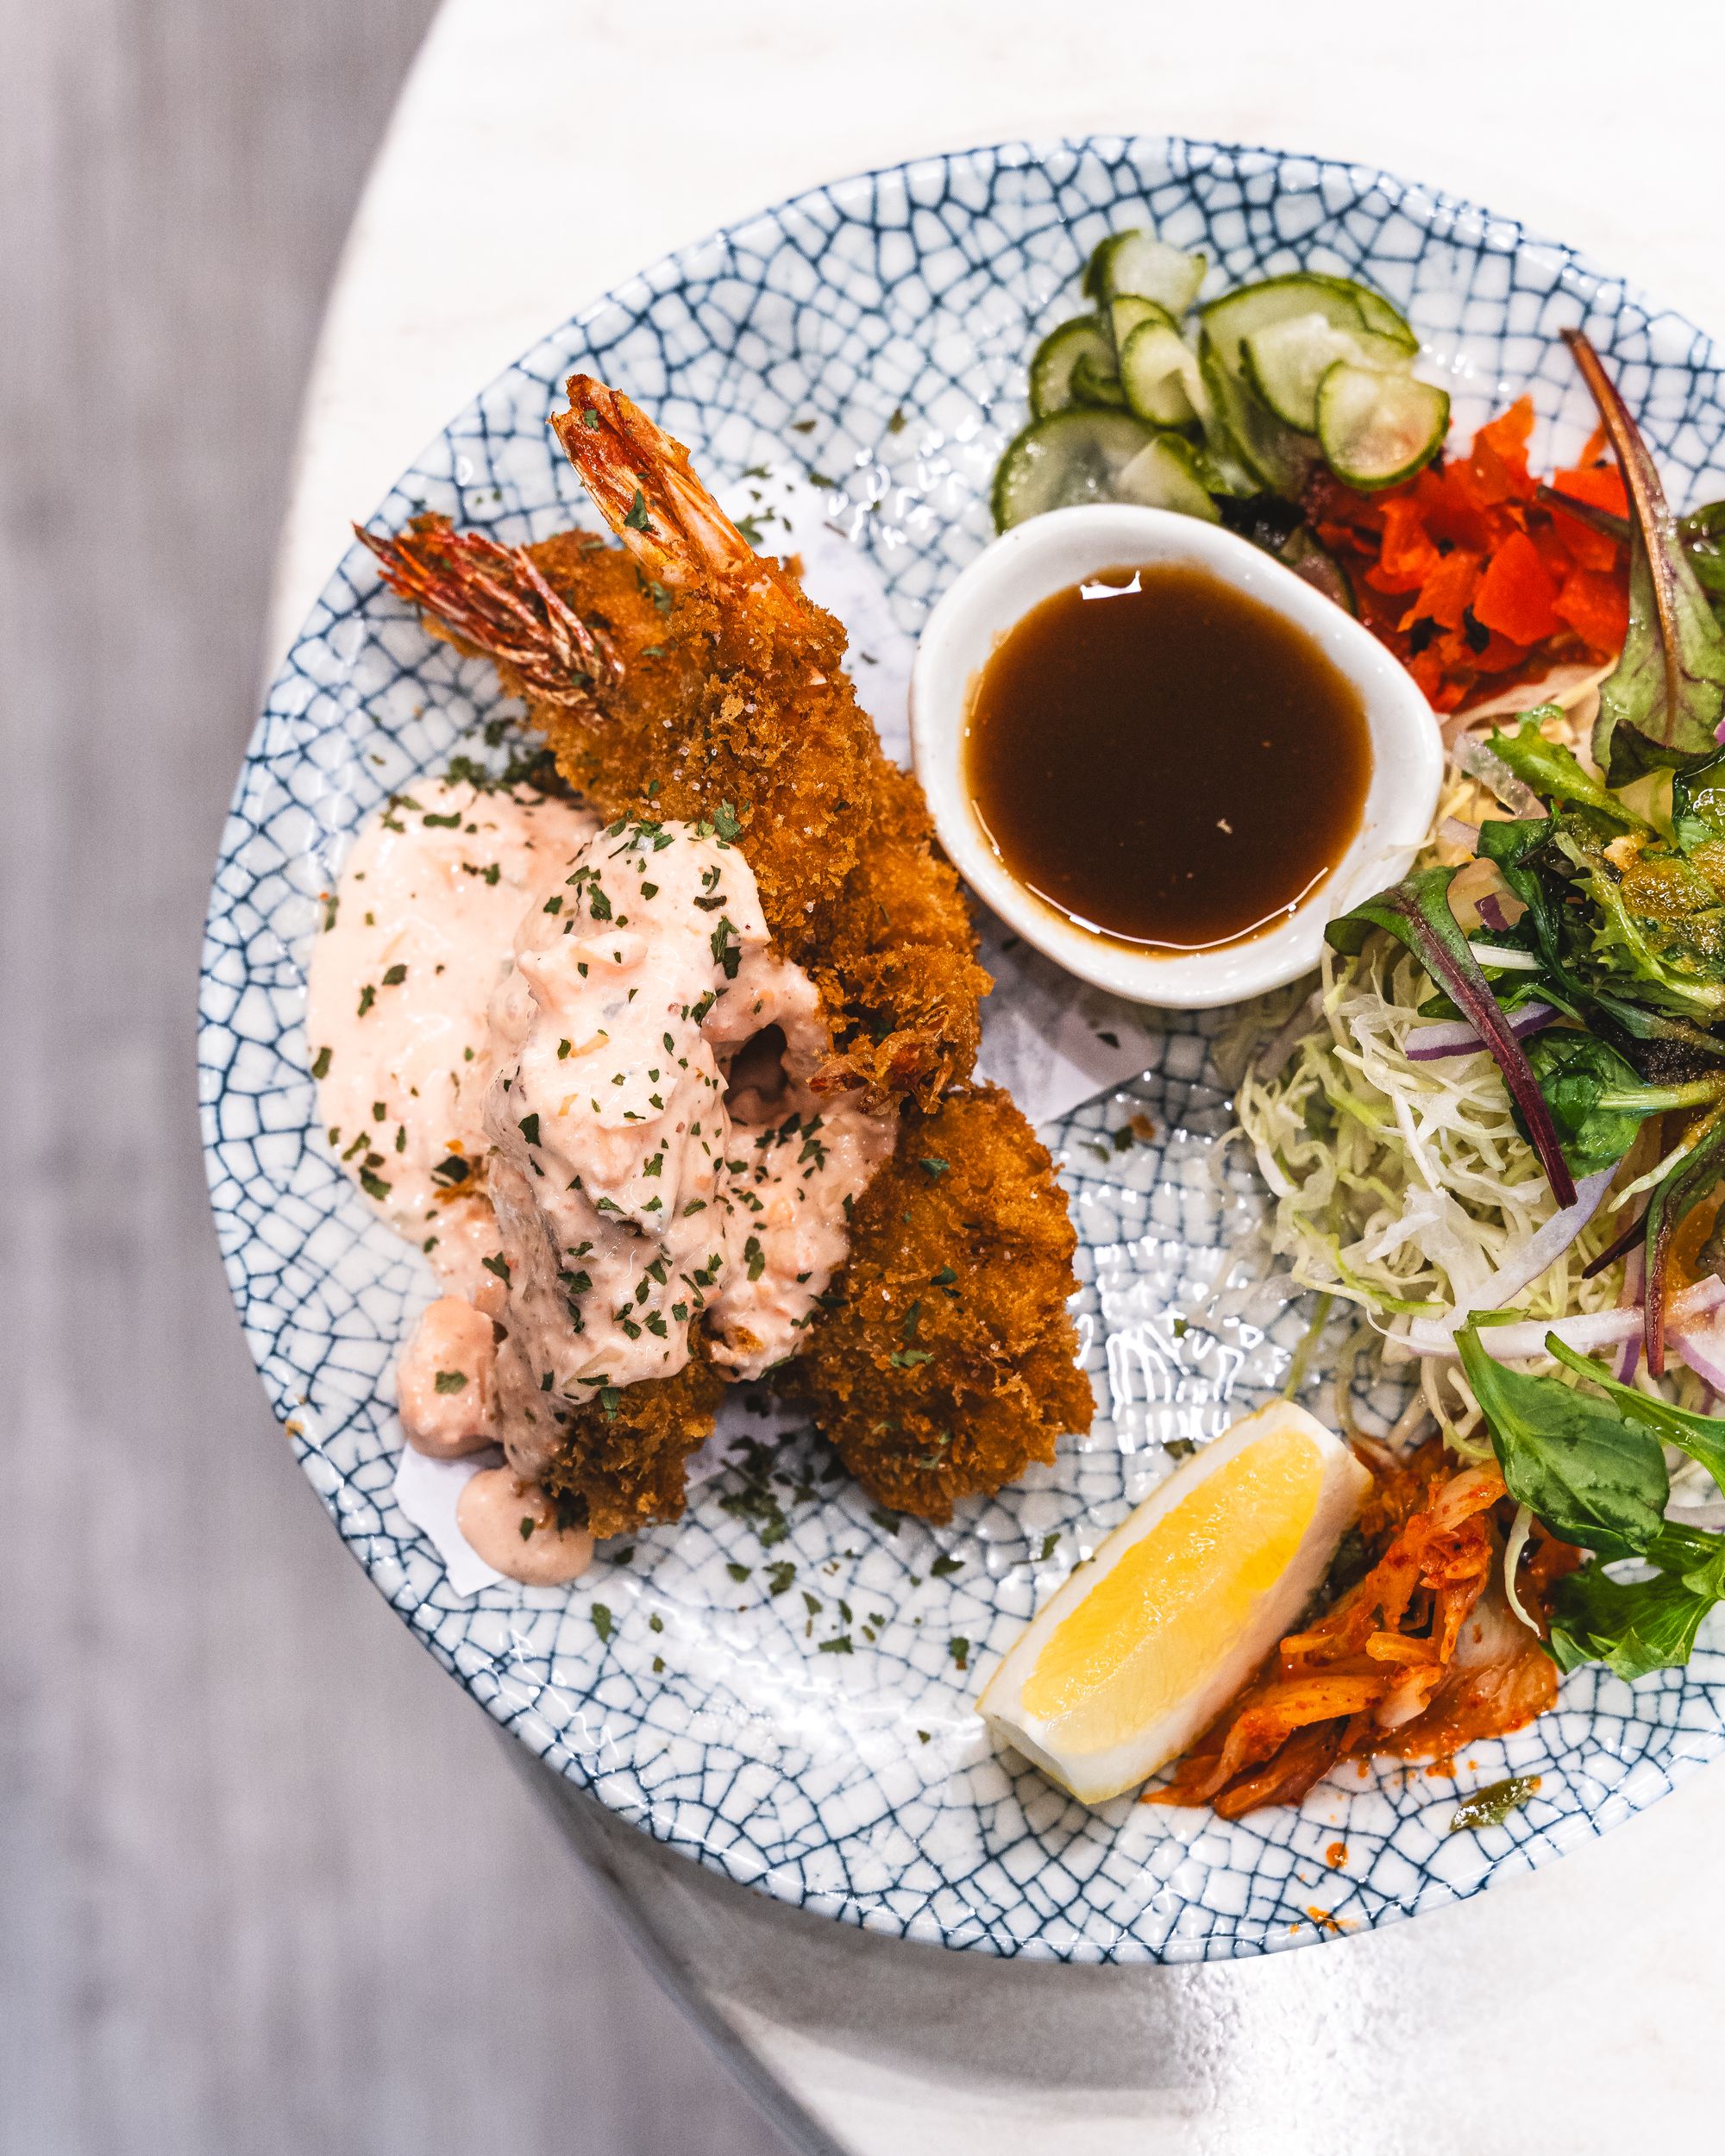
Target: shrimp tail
{"x": 492, "y": 599}
{"x": 647, "y": 491}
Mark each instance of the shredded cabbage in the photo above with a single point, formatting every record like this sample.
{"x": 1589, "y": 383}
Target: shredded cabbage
{"x": 1402, "y": 1187}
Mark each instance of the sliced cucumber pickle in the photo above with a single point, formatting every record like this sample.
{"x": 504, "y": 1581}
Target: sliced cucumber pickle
{"x": 1094, "y": 455}
{"x": 1159, "y": 375}
{"x": 1127, "y": 313}
{"x": 1094, "y": 382}
{"x": 1378, "y": 314}
{"x": 1376, "y": 428}
{"x": 1168, "y": 472}
{"x": 1274, "y": 455}
{"x": 1229, "y": 321}
{"x": 1230, "y": 472}
{"x": 1287, "y": 374}
{"x": 1056, "y": 357}
{"x": 1285, "y": 360}
{"x": 1137, "y": 262}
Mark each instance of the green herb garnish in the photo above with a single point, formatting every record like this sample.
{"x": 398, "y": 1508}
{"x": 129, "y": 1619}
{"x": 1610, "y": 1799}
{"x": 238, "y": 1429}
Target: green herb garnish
{"x": 1492, "y": 1805}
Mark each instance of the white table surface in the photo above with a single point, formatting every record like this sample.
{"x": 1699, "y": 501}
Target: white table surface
{"x": 541, "y": 152}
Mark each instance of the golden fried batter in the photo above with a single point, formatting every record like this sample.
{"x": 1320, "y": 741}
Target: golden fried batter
{"x": 852, "y": 884}
{"x": 621, "y": 1467}
{"x": 947, "y": 1364}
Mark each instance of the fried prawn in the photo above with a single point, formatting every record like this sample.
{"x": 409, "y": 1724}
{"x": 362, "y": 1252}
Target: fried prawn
{"x": 683, "y": 676}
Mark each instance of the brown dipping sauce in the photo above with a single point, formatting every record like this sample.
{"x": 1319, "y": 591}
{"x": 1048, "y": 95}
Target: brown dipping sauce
{"x": 1165, "y": 761}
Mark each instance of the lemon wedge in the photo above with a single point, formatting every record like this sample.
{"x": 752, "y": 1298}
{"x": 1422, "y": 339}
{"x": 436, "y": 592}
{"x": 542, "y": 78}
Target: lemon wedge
{"x": 1143, "y": 1647}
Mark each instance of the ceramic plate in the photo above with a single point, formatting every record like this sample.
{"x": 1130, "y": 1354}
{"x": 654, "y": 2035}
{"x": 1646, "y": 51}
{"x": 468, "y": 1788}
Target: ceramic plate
{"x": 818, "y": 1742}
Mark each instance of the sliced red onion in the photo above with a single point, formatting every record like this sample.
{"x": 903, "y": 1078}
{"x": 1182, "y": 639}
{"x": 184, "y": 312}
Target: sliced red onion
{"x": 1505, "y": 958}
{"x": 1525, "y": 1339}
{"x": 1521, "y": 1267}
{"x": 1703, "y": 1347}
{"x": 1483, "y": 763}
{"x": 1272, "y": 1060}
{"x": 1490, "y": 911}
{"x": 1712, "y": 1515}
{"x": 1455, "y": 1036}
{"x": 1453, "y": 832}
{"x": 1436, "y": 1336}
{"x": 1517, "y": 1343}
{"x": 1590, "y": 1333}
{"x": 1512, "y": 1560}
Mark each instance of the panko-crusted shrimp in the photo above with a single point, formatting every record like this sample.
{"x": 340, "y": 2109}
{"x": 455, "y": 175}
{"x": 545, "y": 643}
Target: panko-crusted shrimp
{"x": 689, "y": 677}
{"x": 686, "y": 677}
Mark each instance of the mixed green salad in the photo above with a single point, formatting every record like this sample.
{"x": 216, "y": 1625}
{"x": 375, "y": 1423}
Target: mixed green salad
{"x": 1497, "y": 1127}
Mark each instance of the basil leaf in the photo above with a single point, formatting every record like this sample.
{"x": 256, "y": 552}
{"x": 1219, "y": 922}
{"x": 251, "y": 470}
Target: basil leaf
{"x": 1693, "y": 1556}
{"x": 1585, "y": 1473}
{"x": 1702, "y": 1437}
{"x": 1593, "y": 1097}
{"x": 1633, "y": 1627}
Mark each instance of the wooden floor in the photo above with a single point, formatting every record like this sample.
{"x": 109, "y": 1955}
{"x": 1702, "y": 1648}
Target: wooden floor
{"x": 266, "y": 1881}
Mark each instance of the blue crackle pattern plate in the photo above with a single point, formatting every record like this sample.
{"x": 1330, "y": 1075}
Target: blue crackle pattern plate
{"x": 818, "y": 1741}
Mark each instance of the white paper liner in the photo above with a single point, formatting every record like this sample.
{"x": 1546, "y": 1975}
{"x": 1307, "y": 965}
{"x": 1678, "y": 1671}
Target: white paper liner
{"x": 428, "y": 1491}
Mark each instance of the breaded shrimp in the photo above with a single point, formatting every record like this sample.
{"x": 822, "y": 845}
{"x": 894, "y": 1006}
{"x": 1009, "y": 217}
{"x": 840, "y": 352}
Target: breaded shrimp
{"x": 690, "y": 677}
{"x": 686, "y": 677}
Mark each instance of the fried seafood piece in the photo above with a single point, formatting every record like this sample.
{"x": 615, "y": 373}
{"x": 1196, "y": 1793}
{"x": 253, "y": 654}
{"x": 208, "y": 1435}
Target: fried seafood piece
{"x": 689, "y": 677}
{"x": 685, "y": 677}
{"x": 621, "y": 1464}
{"x": 945, "y": 1362}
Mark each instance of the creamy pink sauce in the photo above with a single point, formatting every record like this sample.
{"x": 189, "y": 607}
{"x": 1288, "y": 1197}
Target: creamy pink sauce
{"x": 446, "y": 1381}
{"x": 512, "y": 1525}
{"x": 539, "y": 1090}
{"x": 630, "y": 1203}
{"x": 400, "y": 984}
